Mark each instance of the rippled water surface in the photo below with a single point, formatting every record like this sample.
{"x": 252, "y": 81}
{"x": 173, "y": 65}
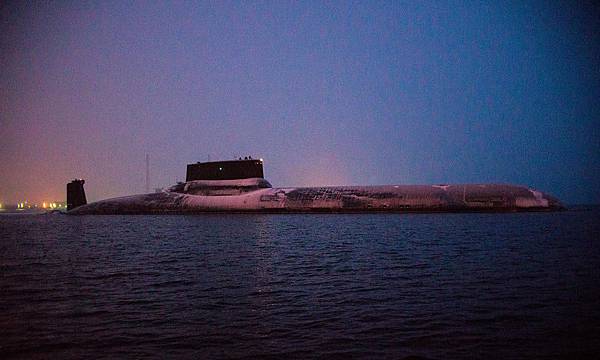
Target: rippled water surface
{"x": 298, "y": 286}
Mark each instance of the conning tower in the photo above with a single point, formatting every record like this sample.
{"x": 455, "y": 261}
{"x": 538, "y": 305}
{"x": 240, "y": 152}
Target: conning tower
{"x": 225, "y": 170}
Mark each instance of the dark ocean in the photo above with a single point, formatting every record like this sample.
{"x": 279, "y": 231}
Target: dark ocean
{"x": 435, "y": 286}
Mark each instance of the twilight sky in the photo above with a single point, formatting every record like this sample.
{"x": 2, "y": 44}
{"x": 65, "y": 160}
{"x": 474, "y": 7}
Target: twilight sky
{"x": 328, "y": 93}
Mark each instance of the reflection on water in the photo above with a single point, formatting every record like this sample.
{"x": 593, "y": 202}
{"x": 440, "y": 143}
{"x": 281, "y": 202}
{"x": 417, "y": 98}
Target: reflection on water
{"x": 236, "y": 286}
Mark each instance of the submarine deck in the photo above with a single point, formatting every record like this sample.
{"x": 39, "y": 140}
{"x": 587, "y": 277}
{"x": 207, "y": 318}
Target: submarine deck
{"x": 334, "y": 199}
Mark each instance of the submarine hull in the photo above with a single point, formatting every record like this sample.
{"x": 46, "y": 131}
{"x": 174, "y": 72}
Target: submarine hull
{"x": 252, "y": 196}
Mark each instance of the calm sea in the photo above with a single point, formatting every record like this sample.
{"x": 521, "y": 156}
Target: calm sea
{"x": 392, "y": 286}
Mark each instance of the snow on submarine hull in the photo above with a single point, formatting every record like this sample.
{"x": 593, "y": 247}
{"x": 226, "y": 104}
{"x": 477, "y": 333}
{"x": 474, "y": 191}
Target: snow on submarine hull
{"x": 220, "y": 187}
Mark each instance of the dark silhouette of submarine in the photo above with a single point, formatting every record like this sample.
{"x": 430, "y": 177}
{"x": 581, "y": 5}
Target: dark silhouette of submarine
{"x": 240, "y": 186}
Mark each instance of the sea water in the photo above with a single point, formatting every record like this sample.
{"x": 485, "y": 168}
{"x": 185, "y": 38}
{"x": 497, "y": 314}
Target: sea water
{"x": 521, "y": 285}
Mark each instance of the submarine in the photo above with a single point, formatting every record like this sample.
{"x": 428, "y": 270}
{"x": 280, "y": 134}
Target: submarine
{"x": 239, "y": 186}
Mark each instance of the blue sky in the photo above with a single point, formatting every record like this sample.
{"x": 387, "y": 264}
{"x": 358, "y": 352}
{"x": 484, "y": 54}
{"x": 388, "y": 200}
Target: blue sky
{"x": 328, "y": 93}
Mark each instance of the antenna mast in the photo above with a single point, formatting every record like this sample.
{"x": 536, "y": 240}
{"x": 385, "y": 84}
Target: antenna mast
{"x": 147, "y": 174}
